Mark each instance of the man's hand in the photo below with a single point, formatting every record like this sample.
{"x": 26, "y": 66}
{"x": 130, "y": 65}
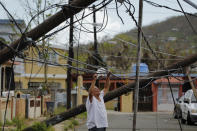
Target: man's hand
{"x": 92, "y": 86}
{"x": 107, "y": 83}
{"x": 108, "y": 74}
{"x": 94, "y": 76}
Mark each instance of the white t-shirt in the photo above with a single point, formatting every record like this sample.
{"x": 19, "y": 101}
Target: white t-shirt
{"x": 96, "y": 112}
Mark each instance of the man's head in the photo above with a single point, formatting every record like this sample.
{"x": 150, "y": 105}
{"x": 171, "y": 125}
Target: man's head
{"x": 95, "y": 91}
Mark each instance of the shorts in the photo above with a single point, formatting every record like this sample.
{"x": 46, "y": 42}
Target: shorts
{"x": 97, "y": 129}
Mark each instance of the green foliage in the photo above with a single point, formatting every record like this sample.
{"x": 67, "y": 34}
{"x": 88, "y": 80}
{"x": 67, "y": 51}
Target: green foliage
{"x": 82, "y": 115}
{"x": 66, "y": 128}
{"x": 41, "y": 127}
{"x": 70, "y": 126}
{"x": 9, "y": 123}
{"x": 74, "y": 122}
{"x": 59, "y": 110}
{"x": 19, "y": 123}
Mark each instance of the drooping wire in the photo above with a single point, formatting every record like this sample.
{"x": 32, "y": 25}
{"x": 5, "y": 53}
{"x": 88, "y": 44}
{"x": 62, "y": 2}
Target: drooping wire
{"x": 62, "y": 28}
{"x": 169, "y": 8}
{"x": 190, "y": 24}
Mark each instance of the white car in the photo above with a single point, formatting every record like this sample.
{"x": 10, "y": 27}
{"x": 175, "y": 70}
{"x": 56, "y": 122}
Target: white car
{"x": 189, "y": 110}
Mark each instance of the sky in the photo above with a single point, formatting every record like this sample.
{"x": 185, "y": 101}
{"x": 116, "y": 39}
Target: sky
{"x": 150, "y": 15}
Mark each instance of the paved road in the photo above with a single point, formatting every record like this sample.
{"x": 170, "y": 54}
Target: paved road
{"x": 146, "y": 121}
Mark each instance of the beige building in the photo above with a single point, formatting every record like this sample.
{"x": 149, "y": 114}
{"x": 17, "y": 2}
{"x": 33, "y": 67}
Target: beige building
{"x": 32, "y": 72}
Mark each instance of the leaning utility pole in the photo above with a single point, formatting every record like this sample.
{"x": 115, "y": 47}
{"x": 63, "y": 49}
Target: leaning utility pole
{"x": 70, "y": 56}
{"x": 136, "y": 92}
{"x": 46, "y": 26}
{"x": 95, "y": 35}
{"x": 191, "y": 3}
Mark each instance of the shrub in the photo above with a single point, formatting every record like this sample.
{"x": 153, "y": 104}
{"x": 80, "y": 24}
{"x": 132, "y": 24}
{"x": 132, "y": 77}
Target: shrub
{"x": 75, "y": 122}
{"x": 19, "y": 123}
{"x": 42, "y": 127}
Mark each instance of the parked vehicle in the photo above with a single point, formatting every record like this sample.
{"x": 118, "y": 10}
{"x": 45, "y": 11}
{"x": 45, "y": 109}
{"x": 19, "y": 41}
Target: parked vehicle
{"x": 189, "y": 110}
{"x": 178, "y": 108}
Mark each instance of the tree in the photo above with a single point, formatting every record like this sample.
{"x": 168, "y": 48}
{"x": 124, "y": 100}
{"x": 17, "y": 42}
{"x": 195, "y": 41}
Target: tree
{"x": 33, "y": 9}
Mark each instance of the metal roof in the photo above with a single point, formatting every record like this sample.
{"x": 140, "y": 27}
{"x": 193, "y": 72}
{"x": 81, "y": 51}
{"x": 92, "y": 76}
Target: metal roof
{"x": 7, "y": 21}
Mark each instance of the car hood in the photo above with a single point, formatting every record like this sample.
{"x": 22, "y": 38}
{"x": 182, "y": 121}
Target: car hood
{"x": 194, "y": 105}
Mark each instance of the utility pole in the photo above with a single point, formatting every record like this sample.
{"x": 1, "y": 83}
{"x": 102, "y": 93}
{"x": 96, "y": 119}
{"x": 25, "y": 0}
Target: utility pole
{"x": 94, "y": 25}
{"x": 95, "y": 35}
{"x": 136, "y": 92}
{"x": 191, "y": 3}
{"x": 69, "y": 71}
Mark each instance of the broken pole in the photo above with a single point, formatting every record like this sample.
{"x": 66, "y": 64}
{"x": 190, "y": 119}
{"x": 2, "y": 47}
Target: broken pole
{"x": 46, "y": 26}
{"x": 122, "y": 90}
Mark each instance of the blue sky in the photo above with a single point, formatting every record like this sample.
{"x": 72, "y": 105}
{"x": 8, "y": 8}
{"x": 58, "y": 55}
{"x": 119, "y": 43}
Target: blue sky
{"x": 150, "y": 15}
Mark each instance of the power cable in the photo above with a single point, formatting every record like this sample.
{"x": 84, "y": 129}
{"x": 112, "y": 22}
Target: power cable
{"x": 163, "y": 6}
{"x": 190, "y": 24}
{"x": 49, "y": 35}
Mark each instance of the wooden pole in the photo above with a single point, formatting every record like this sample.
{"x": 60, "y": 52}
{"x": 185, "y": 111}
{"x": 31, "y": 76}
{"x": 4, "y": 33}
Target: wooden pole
{"x": 136, "y": 92}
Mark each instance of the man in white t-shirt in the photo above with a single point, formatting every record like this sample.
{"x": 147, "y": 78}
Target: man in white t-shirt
{"x": 96, "y": 111}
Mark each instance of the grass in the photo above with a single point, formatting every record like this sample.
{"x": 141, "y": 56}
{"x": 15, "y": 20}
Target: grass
{"x": 82, "y": 115}
{"x": 59, "y": 110}
{"x": 74, "y": 122}
{"x": 42, "y": 127}
{"x": 70, "y": 124}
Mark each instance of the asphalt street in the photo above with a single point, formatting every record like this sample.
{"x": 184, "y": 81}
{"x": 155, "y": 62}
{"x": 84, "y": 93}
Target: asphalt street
{"x": 146, "y": 121}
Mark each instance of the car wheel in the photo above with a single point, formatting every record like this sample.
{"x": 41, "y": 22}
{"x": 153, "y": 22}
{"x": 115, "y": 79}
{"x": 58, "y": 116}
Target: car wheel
{"x": 183, "y": 121}
{"x": 189, "y": 121}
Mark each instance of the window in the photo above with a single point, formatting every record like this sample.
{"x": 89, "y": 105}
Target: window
{"x": 51, "y": 57}
{"x": 37, "y": 103}
{"x": 33, "y": 85}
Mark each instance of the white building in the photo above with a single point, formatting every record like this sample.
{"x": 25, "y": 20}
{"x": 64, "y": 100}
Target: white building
{"x": 8, "y": 33}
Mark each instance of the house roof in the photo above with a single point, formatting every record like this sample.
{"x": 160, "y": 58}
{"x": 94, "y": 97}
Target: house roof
{"x": 178, "y": 80}
{"x": 7, "y": 21}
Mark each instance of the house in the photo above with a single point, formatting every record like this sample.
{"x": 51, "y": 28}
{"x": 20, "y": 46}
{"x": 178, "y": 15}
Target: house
{"x": 29, "y": 74}
{"x": 32, "y": 73}
{"x": 162, "y": 99}
{"x": 9, "y": 32}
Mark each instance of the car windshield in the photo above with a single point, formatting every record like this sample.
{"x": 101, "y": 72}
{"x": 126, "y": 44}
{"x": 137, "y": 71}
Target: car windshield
{"x": 193, "y": 99}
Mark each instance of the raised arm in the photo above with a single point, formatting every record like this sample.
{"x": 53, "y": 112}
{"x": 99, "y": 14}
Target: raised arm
{"x": 92, "y": 86}
{"x": 107, "y": 83}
